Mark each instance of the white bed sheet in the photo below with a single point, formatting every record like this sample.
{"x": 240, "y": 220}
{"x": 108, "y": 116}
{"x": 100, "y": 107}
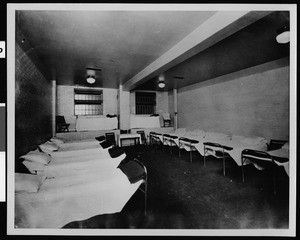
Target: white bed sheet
{"x": 237, "y": 146}
{"x": 235, "y": 153}
{"x": 80, "y": 165}
{"x": 187, "y": 134}
{"x": 79, "y": 152}
{"x": 79, "y": 144}
{"x": 78, "y": 161}
{"x": 91, "y": 123}
{"x": 73, "y": 198}
{"x": 144, "y": 121}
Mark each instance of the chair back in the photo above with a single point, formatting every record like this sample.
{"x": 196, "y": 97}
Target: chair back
{"x": 276, "y": 144}
{"x": 166, "y": 116}
{"x": 110, "y": 136}
{"x": 143, "y": 136}
{"x": 60, "y": 120}
{"x": 124, "y": 131}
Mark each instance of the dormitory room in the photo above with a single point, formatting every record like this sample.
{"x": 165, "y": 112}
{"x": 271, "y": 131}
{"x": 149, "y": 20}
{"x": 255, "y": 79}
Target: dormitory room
{"x": 154, "y": 120}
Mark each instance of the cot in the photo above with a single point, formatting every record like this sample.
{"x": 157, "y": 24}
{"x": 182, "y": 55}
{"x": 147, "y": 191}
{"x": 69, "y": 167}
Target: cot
{"x": 72, "y": 162}
{"x": 74, "y": 187}
{"x": 58, "y": 201}
{"x": 82, "y": 144}
{"x": 281, "y": 157}
{"x": 233, "y": 145}
{"x": 271, "y": 159}
{"x": 63, "y": 145}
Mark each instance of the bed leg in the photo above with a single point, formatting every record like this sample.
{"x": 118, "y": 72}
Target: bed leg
{"x": 145, "y": 210}
{"x": 204, "y": 156}
{"x": 224, "y": 167}
{"x": 243, "y": 178}
{"x": 274, "y": 180}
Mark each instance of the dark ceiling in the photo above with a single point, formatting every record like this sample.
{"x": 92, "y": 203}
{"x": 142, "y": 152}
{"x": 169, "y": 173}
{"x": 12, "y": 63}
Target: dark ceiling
{"x": 251, "y": 46}
{"x": 64, "y": 44}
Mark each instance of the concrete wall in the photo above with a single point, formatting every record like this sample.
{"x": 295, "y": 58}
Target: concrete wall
{"x": 252, "y": 102}
{"x": 65, "y": 102}
{"x": 33, "y": 105}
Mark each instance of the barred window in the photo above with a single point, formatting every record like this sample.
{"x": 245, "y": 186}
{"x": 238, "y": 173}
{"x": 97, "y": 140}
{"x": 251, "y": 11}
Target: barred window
{"x": 145, "y": 102}
{"x": 88, "y": 102}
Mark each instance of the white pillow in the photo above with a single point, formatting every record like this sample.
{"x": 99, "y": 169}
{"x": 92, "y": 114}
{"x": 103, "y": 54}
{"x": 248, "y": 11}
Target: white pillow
{"x": 37, "y": 156}
{"x": 216, "y": 135}
{"x": 57, "y": 140}
{"x": 253, "y": 140}
{"x": 48, "y": 147}
{"x": 197, "y": 133}
{"x": 28, "y": 182}
{"x": 286, "y": 146}
{"x": 34, "y": 167}
{"x": 180, "y": 131}
{"x": 237, "y": 137}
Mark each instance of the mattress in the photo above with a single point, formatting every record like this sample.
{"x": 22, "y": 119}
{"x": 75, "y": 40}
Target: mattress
{"x": 79, "y": 144}
{"x": 72, "y": 198}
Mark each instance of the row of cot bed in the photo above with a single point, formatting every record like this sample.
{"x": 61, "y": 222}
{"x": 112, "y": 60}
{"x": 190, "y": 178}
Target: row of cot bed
{"x": 243, "y": 150}
{"x": 73, "y": 181}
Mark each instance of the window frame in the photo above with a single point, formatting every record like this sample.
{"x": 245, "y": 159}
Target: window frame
{"x": 88, "y": 102}
{"x": 145, "y": 103}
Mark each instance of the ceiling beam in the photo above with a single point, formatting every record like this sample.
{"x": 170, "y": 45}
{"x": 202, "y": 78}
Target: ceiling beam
{"x": 219, "y": 26}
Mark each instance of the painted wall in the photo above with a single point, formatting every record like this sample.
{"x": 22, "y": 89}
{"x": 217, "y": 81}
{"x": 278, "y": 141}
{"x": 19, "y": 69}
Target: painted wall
{"x": 171, "y": 106}
{"x": 162, "y": 103}
{"x": 124, "y": 109}
{"x": 33, "y": 105}
{"x": 65, "y": 102}
{"x": 252, "y": 102}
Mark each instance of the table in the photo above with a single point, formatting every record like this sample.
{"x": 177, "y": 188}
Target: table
{"x": 128, "y": 136}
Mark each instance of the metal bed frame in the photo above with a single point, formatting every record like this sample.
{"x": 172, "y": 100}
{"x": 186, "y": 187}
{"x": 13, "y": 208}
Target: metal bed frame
{"x": 256, "y": 156}
{"x": 189, "y": 142}
{"x": 169, "y": 138}
{"x": 218, "y": 153}
{"x": 145, "y": 183}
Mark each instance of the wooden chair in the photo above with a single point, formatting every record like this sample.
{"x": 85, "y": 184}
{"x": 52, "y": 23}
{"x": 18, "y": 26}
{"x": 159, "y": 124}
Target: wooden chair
{"x": 166, "y": 119}
{"x": 143, "y": 137}
{"x": 61, "y": 125}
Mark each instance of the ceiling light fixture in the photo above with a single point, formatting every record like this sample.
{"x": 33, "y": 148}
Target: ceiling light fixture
{"x": 161, "y": 81}
{"x": 161, "y": 84}
{"x": 283, "y": 34}
{"x": 90, "y": 79}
